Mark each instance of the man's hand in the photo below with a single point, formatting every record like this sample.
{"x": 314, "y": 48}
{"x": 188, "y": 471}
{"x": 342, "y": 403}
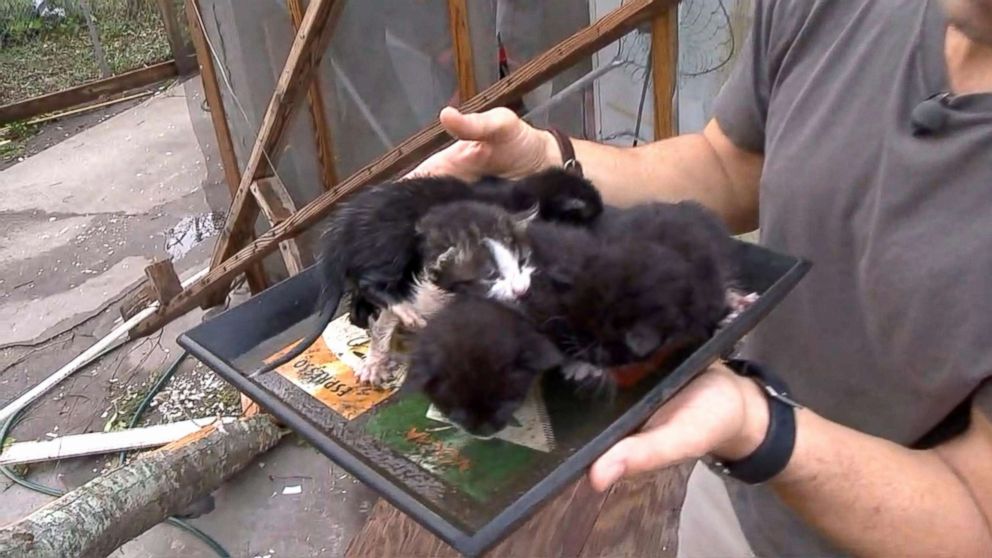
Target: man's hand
{"x": 718, "y": 413}
{"x": 867, "y": 495}
{"x": 496, "y": 143}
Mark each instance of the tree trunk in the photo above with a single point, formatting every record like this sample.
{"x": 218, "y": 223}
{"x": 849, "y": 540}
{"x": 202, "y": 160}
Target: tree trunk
{"x": 101, "y": 58}
{"x": 98, "y": 517}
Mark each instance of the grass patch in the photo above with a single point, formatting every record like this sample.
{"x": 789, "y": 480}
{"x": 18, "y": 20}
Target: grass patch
{"x": 13, "y": 138}
{"x": 41, "y": 55}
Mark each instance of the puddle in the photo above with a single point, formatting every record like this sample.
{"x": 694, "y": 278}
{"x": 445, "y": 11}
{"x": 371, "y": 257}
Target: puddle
{"x": 190, "y": 231}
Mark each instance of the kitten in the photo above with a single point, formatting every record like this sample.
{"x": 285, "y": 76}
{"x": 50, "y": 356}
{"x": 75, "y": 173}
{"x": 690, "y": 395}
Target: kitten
{"x": 563, "y": 197}
{"x": 690, "y": 229}
{"x": 476, "y": 360}
{"x": 607, "y": 304}
{"x": 371, "y": 245}
{"x": 470, "y": 248}
{"x": 477, "y": 248}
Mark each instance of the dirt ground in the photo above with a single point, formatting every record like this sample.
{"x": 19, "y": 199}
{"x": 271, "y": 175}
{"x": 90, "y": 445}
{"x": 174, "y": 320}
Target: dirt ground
{"x": 95, "y": 200}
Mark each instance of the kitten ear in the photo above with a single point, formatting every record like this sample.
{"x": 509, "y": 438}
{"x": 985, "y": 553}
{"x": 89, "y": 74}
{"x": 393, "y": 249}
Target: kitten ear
{"x": 642, "y": 339}
{"x": 524, "y": 218}
{"x": 434, "y": 269}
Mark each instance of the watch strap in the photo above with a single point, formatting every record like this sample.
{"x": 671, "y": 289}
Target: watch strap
{"x": 569, "y": 162}
{"x": 775, "y": 451}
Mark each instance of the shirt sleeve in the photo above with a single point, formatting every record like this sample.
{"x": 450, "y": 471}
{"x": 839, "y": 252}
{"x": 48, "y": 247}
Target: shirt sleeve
{"x": 741, "y": 107}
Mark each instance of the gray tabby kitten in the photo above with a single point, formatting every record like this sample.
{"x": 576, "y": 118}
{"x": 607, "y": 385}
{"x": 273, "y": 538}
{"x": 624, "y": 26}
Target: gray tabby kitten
{"x": 469, "y": 248}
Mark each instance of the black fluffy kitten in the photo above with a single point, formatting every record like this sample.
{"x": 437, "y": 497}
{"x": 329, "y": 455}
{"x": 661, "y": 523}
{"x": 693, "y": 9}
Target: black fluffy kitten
{"x": 690, "y": 229}
{"x": 563, "y": 196}
{"x": 614, "y": 303}
{"x": 371, "y": 247}
{"x": 476, "y": 360}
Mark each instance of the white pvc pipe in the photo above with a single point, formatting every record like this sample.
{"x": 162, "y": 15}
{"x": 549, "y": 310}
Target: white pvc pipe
{"x": 86, "y": 356}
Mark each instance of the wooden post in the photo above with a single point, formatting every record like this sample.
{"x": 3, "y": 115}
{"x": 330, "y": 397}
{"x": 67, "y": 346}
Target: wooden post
{"x": 164, "y": 280}
{"x": 414, "y": 149}
{"x": 318, "y": 113}
{"x": 274, "y": 200}
{"x": 304, "y": 55}
{"x": 664, "y": 68}
{"x": 179, "y": 47}
{"x": 255, "y": 274}
{"x": 461, "y": 45}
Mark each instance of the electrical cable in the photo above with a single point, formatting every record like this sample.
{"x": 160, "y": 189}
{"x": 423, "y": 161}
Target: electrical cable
{"x": 156, "y": 388}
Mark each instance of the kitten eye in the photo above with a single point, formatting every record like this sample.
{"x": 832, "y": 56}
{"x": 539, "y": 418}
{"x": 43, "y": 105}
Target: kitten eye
{"x": 492, "y": 275}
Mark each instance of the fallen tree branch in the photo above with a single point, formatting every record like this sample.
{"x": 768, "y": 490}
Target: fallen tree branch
{"x": 100, "y": 516}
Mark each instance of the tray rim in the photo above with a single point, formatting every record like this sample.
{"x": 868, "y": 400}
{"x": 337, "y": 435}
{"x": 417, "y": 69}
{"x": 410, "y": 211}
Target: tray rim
{"x": 571, "y": 467}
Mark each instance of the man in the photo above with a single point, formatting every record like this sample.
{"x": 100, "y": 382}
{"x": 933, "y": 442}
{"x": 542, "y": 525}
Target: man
{"x": 819, "y": 137}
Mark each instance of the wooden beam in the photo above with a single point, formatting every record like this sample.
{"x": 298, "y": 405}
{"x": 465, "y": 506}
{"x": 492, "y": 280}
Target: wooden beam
{"x": 272, "y": 197}
{"x": 75, "y": 111}
{"x": 254, "y": 274}
{"x": 87, "y": 92}
{"x": 164, "y": 281}
{"x": 525, "y": 79}
{"x": 318, "y": 113}
{"x": 211, "y": 90}
{"x": 308, "y": 47}
{"x": 461, "y": 45}
{"x": 664, "y": 68}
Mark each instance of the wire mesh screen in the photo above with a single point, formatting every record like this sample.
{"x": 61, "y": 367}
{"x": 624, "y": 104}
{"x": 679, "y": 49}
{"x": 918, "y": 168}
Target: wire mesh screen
{"x": 50, "y": 45}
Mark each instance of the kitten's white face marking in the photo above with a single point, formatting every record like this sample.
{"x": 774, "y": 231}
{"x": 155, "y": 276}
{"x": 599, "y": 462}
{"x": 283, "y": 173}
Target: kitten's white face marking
{"x": 514, "y": 277}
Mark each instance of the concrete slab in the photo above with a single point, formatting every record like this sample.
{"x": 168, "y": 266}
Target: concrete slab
{"x": 78, "y": 223}
{"x": 131, "y": 163}
{"x": 24, "y": 320}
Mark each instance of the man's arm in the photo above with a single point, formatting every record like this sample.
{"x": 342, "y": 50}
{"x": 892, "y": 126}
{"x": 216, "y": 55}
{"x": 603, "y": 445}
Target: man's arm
{"x": 706, "y": 167}
{"x": 865, "y": 494}
{"x": 876, "y": 498}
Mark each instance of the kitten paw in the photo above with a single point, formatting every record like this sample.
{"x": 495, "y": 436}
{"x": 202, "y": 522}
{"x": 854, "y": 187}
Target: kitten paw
{"x": 578, "y": 371}
{"x": 408, "y": 315}
{"x": 378, "y": 369}
{"x": 737, "y": 302}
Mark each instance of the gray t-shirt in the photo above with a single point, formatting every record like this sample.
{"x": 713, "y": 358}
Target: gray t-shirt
{"x": 892, "y": 328}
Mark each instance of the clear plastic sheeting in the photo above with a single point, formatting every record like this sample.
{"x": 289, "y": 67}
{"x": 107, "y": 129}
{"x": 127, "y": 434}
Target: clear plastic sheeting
{"x": 387, "y": 73}
{"x": 390, "y": 68}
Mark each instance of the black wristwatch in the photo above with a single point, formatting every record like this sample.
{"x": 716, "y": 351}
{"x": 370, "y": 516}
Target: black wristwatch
{"x": 775, "y": 451}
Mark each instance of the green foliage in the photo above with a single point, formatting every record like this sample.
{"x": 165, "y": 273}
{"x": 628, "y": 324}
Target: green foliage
{"x": 12, "y": 139}
{"x": 40, "y": 55}
{"x": 19, "y": 130}
{"x": 20, "y": 23}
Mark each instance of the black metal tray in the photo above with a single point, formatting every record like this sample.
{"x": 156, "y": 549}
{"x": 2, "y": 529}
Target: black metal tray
{"x": 469, "y": 510}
